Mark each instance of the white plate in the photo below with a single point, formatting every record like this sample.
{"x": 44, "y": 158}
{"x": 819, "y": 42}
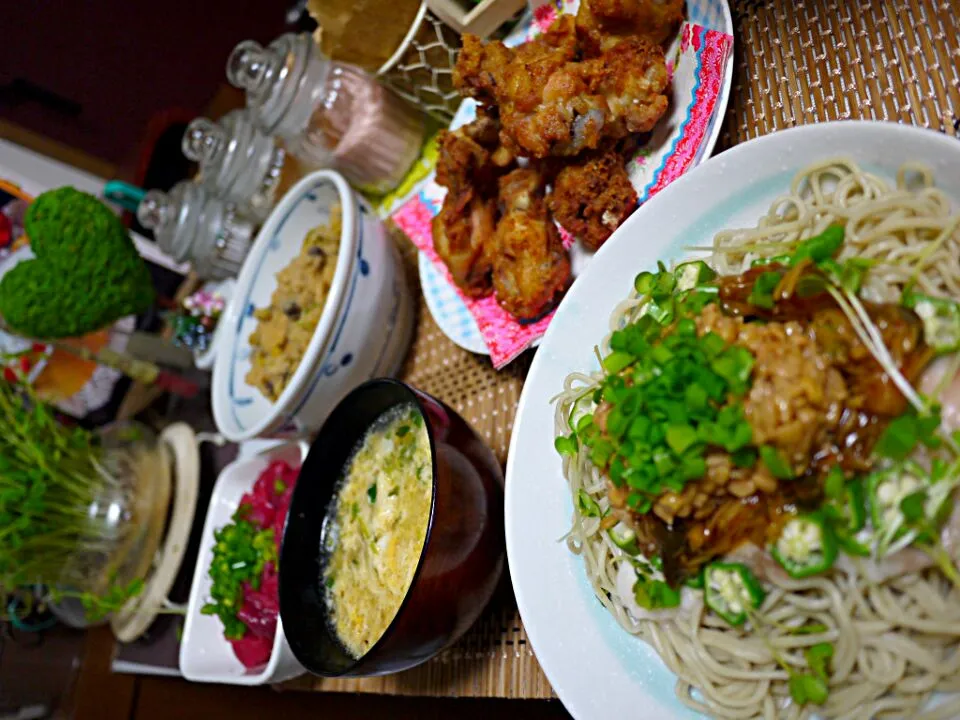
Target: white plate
{"x": 446, "y": 307}
{"x": 598, "y": 670}
{"x": 205, "y": 655}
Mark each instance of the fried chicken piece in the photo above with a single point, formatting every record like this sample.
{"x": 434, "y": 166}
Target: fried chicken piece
{"x": 619, "y": 93}
{"x": 514, "y": 77}
{"x": 485, "y": 130}
{"x": 601, "y": 24}
{"x": 632, "y": 78}
{"x": 462, "y": 235}
{"x": 463, "y": 160}
{"x": 593, "y": 196}
{"x": 552, "y": 104}
{"x": 531, "y": 267}
{"x": 463, "y": 229}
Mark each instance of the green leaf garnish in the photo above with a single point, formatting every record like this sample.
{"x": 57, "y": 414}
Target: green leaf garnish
{"x": 776, "y": 463}
{"x": 566, "y": 445}
{"x": 761, "y": 295}
{"x": 913, "y": 506}
{"x": 833, "y": 483}
{"x": 820, "y": 247}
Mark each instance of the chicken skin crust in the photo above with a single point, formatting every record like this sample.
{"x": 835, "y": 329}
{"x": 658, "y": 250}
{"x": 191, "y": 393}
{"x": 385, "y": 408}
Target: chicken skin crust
{"x": 463, "y": 229}
{"x": 592, "y": 197}
{"x": 603, "y": 23}
{"x": 531, "y": 267}
{"x": 552, "y": 103}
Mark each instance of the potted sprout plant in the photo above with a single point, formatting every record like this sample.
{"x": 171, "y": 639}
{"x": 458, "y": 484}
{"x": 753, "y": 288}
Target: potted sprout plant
{"x": 81, "y": 513}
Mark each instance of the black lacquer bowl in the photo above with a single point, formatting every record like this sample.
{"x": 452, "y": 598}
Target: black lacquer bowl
{"x": 462, "y": 556}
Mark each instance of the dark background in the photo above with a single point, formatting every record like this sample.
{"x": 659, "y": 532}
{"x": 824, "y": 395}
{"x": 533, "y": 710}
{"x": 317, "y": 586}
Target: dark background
{"x": 94, "y": 74}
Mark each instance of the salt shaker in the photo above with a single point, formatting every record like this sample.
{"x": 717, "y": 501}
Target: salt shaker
{"x": 191, "y": 224}
{"x": 328, "y": 114}
{"x": 238, "y": 162}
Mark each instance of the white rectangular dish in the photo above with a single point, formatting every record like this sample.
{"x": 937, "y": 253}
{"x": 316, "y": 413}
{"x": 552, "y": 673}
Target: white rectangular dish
{"x": 205, "y": 654}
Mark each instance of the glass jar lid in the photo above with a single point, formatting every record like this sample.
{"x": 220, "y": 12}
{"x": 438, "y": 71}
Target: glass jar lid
{"x": 191, "y": 225}
{"x": 173, "y": 217}
{"x": 237, "y": 160}
{"x": 209, "y": 144}
{"x": 285, "y": 84}
{"x": 269, "y": 75}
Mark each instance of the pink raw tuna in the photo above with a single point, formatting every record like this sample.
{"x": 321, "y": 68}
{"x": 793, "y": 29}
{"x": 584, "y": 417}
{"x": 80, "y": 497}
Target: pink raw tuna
{"x": 266, "y": 508}
{"x": 253, "y": 650}
{"x": 263, "y": 511}
{"x": 260, "y": 607}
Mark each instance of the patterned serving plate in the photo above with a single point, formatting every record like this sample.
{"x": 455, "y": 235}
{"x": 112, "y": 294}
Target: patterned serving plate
{"x": 448, "y": 309}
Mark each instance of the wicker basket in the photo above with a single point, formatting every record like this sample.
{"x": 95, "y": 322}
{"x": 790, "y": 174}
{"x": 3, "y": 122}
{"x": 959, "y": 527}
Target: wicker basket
{"x": 421, "y": 70}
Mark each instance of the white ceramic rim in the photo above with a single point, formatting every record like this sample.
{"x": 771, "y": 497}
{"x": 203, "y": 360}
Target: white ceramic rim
{"x": 234, "y": 311}
{"x": 477, "y": 345}
{"x": 556, "y": 665}
{"x": 406, "y": 42}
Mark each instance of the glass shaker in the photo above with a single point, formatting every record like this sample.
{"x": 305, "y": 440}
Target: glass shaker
{"x": 237, "y": 161}
{"x": 328, "y": 113}
{"x": 191, "y": 224}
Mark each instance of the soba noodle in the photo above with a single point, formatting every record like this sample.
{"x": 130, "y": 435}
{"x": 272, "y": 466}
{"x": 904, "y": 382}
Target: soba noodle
{"x": 895, "y": 641}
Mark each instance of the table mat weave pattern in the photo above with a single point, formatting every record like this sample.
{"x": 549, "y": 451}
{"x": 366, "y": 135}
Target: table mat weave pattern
{"x": 816, "y": 60}
{"x": 796, "y": 62}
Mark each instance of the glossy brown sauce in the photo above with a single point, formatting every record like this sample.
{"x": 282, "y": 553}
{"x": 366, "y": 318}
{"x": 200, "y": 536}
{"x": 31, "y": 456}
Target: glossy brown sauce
{"x": 873, "y": 400}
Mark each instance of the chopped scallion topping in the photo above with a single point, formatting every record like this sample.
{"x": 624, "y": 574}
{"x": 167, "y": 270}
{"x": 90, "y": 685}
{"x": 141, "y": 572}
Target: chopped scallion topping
{"x": 776, "y": 463}
{"x": 761, "y": 295}
{"x": 820, "y": 247}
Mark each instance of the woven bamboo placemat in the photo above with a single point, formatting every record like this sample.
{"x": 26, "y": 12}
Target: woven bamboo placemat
{"x": 796, "y": 62}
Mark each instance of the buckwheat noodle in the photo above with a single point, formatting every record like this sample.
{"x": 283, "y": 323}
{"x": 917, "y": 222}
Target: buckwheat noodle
{"x": 895, "y": 640}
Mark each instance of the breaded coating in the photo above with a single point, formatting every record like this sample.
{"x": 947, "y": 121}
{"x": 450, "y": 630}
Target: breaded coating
{"x": 463, "y": 230}
{"x": 552, "y": 103}
{"x": 591, "y": 198}
{"x": 531, "y": 268}
{"x": 603, "y": 23}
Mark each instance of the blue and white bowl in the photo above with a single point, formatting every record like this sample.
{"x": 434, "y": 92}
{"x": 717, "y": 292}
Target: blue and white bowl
{"x": 364, "y": 330}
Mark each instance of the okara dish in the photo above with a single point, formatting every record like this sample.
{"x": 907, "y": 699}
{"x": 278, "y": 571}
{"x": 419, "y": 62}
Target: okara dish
{"x": 287, "y": 325}
{"x": 764, "y": 472}
{"x": 375, "y": 527}
{"x": 394, "y": 543}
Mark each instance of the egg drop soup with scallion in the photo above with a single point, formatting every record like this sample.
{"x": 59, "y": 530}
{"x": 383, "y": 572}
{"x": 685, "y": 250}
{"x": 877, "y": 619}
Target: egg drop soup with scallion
{"x": 375, "y": 527}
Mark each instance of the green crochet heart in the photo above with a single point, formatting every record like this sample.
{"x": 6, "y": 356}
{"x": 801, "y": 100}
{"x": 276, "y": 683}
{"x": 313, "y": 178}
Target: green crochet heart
{"x": 86, "y": 274}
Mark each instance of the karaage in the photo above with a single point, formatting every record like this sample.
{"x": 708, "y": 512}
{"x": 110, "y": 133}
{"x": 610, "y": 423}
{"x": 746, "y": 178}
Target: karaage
{"x": 570, "y": 101}
{"x": 514, "y": 77}
{"x": 551, "y": 103}
{"x": 531, "y": 267}
{"x": 601, "y": 24}
{"x": 632, "y": 79}
{"x": 463, "y": 229}
{"x": 592, "y": 196}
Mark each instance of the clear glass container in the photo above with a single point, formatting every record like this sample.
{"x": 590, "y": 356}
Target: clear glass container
{"x": 126, "y": 520}
{"x": 191, "y": 224}
{"x": 237, "y": 161}
{"x": 328, "y": 114}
